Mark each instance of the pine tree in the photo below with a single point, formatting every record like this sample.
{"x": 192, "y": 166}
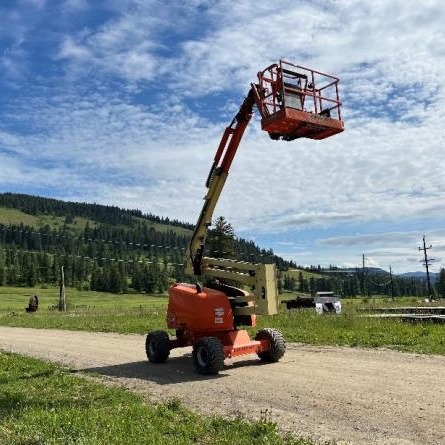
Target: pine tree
{"x": 2, "y": 268}
{"x": 149, "y": 279}
{"x": 300, "y": 281}
{"x": 312, "y": 286}
{"x": 136, "y": 278}
{"x": 220, "y": 241}
{"x": 440, "y": 283}
{"x": 115, "y": 283}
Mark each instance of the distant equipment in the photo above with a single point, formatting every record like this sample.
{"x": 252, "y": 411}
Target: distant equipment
{"x": 33, "y": 304}
{"x": 327, "y": 302}
{"x": 322, "y": 302}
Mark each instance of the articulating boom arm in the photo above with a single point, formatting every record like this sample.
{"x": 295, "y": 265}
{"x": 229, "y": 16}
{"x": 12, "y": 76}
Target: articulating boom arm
{"x": 294, "y": 102}
{"x": 215, "y": 182}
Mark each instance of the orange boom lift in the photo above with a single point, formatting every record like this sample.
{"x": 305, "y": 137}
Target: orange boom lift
{"x": 294, "y": 102}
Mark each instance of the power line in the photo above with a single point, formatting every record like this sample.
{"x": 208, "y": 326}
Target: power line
{"x": 92, "y": 259}
{"x": 82, "y": 238}
{"x": 130, "y": 243}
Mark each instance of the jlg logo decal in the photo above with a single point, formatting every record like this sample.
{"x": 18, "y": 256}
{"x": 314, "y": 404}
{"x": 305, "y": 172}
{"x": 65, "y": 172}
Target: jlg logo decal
{"x": 219, "y": 315}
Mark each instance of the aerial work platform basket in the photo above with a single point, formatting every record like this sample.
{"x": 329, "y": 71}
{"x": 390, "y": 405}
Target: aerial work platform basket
{"x": 298, "y": 102}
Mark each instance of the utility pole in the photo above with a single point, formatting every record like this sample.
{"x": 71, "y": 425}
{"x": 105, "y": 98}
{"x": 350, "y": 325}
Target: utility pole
{"x": 62, "y": 298}
{"x": 363, "y": 274}
{"x": 392, "y": 283}
{"x": 426, "y": 261}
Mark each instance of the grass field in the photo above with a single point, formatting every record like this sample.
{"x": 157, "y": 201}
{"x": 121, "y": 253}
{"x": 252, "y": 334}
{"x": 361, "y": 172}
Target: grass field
{"x": 88, "y": 311}
{"x": 16, "y": 298}
{"x": 41, "y": 404}
{"x": 137, "y": 313}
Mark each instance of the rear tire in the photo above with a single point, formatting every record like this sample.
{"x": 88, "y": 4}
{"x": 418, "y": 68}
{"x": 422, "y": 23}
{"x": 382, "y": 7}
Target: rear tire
{"x": 208, "y": 355}
{"x": 157, "y": 346}
{"x": 277, "y": 345}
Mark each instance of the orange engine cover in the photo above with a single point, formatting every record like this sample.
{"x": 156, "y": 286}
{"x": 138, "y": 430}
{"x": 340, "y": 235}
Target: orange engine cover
{"x": 208, "y": 310}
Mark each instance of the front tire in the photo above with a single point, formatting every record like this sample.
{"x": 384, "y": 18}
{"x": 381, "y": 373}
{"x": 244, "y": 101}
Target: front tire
{"x": 276, "y": 342}
{"x": 208, "y": 355}
{"x": 157, "y": 346}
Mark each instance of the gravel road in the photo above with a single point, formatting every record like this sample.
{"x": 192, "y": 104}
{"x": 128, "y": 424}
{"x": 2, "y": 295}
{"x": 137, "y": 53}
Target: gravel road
{"x": 353, "y": 396}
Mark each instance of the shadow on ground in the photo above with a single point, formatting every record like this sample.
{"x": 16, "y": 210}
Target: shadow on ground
{"x": 174, "y": 370}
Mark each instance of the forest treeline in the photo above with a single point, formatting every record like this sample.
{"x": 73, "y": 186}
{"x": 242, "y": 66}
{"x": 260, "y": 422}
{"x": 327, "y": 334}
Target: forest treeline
{"x": 117, "y": 250}
{"x": 353, "y": 283}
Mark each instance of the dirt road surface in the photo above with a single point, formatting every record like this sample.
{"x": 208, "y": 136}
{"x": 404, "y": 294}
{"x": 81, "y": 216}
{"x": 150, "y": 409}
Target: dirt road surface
{"x": 353, "y": 396}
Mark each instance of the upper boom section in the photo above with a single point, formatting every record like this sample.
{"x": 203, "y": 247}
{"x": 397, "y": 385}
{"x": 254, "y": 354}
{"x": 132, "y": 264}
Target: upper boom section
{"x": 215, "y": 182}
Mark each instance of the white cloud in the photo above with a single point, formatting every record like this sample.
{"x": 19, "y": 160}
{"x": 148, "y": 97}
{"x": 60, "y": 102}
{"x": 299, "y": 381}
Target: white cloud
{"x": 120, "y": 46}
{"x": 71, "y": 50}
{"x": 106, "y": 138}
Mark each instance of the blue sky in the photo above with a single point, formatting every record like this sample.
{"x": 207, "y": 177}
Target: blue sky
{"x": 124, "y": 102}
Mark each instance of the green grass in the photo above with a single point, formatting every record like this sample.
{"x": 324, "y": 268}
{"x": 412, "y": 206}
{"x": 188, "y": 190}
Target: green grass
{"x": 42, "y": 404}
{"x": 16, "y": 298}
{"x": 295, "y": 273}
{"x": 135, "y": 313}
{"x": 16, "y": 217}
{"x": 13, "y": 216}
{"x": 353, "y": 329}
{"x": 88, "y": 311}
{"x": 159, "y": 227}
{"x": 125, "y": 320}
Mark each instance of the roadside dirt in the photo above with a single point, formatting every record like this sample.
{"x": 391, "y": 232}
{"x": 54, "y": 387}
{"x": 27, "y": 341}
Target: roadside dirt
{"x": 353, "y": 396}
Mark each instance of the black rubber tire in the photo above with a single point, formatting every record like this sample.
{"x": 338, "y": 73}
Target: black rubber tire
{"x": 157, "y": 346}
{"x": 208, "y": 355}
{"x": 277, "y": 344}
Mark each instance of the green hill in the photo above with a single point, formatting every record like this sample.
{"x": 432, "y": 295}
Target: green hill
{"x": 102, "y": 248}
{"x": 105, "y": 248}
